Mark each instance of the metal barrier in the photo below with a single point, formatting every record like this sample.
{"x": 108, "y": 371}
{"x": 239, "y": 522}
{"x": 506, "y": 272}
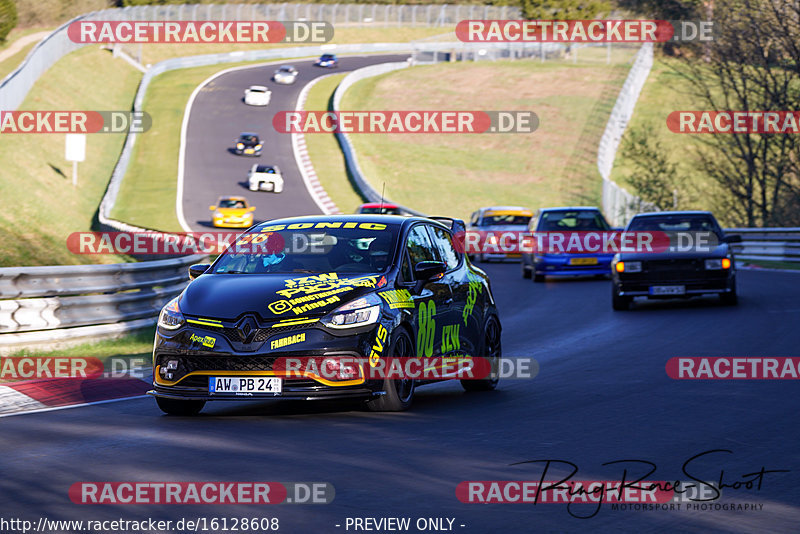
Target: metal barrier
{"x": 772, "y": 244}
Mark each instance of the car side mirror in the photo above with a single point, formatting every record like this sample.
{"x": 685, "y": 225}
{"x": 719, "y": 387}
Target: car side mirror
{"x": 197, "y": 269}
{"x": 212, "y": 208}
{"x": 732, "y": 239}
{"x": 425, "y": 271}
{"x": 251, "y": 208}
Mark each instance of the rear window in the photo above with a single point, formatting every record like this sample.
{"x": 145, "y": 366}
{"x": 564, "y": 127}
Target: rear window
{"x": 574, "y": 220}
{"x": 674, "y": 223}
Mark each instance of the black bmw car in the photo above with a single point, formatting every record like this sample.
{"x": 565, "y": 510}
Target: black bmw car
{"x": 329, "y": 289}
{"x": 248, "y": 144}
{"x": 699, "y": 260}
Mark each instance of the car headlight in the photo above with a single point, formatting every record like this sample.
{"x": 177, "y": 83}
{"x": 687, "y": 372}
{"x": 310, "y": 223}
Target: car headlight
{"x": 258, "y": 147}
{"x": 240, "y": 145}
{"x": 359, "y": 312}
{"x": 217, "y": 215}
{"x": 717, "y": 264}
{"x": 629, "y": 267}
{"x": 171, "y": 317}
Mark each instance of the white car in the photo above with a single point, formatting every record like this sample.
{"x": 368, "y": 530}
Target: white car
{"x": 265, "y": 178}
{"x": 286, "y": 75}
{"x": 257, "y": 95}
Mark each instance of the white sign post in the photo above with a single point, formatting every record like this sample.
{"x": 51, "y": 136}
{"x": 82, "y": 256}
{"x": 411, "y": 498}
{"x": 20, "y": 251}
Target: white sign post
{"x": 75, "y": 151}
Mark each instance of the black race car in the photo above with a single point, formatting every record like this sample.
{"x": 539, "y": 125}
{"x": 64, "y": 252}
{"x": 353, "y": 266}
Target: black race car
{"x": 330, "y": 290}
{"x": 248, "y": 144}
{"x": 698, "y": 261}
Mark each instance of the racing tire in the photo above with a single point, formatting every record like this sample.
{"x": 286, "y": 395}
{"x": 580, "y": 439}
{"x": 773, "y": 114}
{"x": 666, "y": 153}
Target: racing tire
{"x": 538, "y": 278}
{"x": 398, "y": 394}
{"x": 180, "y": 407}
{"x": 492, "y": 350}
{"x": 619, "y": 302}
{"x": 526, "y": 273}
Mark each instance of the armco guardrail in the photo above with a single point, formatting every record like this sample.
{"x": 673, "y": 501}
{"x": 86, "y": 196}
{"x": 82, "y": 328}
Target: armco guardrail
{"x": 42, "y": 304}
{"x": 15, "y": 86}
{"x": 110, "y": 197}
{"x": 772, "y": 244}
{"x": 465, "y": 51}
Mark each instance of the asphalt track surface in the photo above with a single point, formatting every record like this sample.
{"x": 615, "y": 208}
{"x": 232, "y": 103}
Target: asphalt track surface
{"x": 602, "y": 394}
{"x": 219, "y": 115}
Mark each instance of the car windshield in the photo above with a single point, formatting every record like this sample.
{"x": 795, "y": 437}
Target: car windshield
{"x": 326, "y": 57}
{"x": 501, "y": 220}
{"x": 230, "y": 203}
{"x": 674, "y": 223}
{"x": 265, "y": 168}
{"x": 257, "y": 90}
{"x": 287, "y": 70}
{"x": 368, "y": 248}
{"x": 249, "y": 138}
{"x": 572, "y": 221}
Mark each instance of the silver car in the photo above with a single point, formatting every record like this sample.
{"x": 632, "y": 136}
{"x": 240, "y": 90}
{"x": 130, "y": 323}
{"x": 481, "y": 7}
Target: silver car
{"x": 285, "y": 75}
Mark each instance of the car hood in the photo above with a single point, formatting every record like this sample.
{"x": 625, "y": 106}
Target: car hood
{"x": 718, "y": 251}
{"x": 272, "y": 296}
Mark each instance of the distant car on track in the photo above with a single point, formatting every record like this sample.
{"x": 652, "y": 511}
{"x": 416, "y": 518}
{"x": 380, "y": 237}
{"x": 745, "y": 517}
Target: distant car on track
{"x": 248, "y": 144}
{"x": 568, "y": 219}
{"x": 285, "y": 75}
{"x": 257, "y": 95}
{"x": 373, "y": 208}
{"x": 492, "y": 221}
{"x": 707, "y": 268}
{"x": 265, "y": 178}
{"x": 382, "y": 287}
{"x": 328, "y": 61}
{"x": 232, "y": 212}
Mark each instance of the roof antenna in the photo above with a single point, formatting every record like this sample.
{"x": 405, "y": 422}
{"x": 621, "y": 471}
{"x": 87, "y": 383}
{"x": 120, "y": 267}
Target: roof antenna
{"x": 380, "y": 209}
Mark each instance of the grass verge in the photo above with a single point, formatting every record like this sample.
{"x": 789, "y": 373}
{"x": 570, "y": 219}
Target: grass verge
{"x": 136, "y": 344}
{"x": 41, "y": 207}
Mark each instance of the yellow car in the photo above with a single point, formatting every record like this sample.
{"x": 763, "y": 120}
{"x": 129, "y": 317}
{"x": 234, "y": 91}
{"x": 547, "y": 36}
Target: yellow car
{"x": 232, "y": 212}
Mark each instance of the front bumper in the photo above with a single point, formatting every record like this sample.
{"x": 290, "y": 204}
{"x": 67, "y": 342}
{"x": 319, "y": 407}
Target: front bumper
{"x": 693, "y": 287}
{"x": 225, "y": 224}
{"x": 241, "y": 152}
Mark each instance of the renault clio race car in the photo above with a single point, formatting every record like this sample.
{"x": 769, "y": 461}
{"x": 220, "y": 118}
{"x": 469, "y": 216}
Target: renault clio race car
{"x": 326, "y": 290}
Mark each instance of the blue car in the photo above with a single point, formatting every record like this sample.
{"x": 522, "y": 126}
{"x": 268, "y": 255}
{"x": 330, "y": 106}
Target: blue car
{"x": 537, "y": 264}
{"x": 328, "y": 61}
